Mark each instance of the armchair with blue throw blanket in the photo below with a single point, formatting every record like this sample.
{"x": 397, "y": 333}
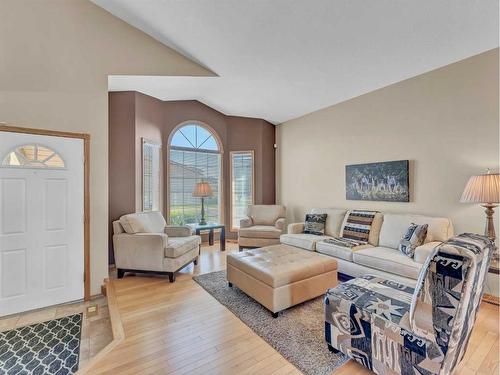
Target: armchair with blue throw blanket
{"x": 392, "y": 328}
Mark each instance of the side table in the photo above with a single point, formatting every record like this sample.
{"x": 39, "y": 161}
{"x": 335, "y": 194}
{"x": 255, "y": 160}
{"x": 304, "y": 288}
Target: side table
{"x": 197, "y": 228}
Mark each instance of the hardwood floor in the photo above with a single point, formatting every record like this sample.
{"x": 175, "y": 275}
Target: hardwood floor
{"x": 181, "y": 329}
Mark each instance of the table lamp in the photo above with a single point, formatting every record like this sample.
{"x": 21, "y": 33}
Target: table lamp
{"x": 484, "y": 189}
{"x": 202, "y": 190}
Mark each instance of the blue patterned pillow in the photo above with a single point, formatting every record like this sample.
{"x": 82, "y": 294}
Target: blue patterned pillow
{"x": 315, "y": 224}
{"x": 414, "y": 237}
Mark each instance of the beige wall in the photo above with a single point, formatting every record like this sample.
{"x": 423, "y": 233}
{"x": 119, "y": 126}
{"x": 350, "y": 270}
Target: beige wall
{"x": 444, "y": 121}
{"x": 54, "y": 60}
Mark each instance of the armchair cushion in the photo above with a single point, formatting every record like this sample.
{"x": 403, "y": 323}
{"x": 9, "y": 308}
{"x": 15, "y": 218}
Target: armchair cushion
{"x": 178, "y": 246}
{"x": 246, "y": 222}
{"x": 280, "y": 224}
{"x": 143, "y": 222}
{"x": 182, "y": 231}
{"x": 260, "y": 231}
{"x": 265, "y": 214}
{"x": 136, "y": 223}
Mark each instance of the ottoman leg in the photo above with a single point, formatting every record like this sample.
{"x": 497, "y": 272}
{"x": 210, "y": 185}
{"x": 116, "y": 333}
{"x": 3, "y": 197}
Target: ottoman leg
{"x": 332, "y": 349}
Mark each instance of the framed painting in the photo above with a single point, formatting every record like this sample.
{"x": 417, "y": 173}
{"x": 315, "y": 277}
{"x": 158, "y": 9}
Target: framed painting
{"x": 385, "y": 181}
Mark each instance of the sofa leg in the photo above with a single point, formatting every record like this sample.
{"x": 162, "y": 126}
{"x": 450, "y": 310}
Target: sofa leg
{"x": 120, "y": 273}
{"x": 195, "y": 261}
{"x": 275, "y": 315}
{"x": 230, "y": 284}
{"x": 240, "y": 248}
{"x": 332, "y": 349}
{"x": 171, "y": 277}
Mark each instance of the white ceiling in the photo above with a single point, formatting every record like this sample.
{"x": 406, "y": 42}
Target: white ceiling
{"x": 280, "y": 59}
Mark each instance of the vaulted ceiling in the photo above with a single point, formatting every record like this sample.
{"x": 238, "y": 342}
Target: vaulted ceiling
{"x": 281, "y": 59}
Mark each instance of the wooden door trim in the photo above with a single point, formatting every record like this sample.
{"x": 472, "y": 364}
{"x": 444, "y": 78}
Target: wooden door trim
{"x": 86, "y": 189}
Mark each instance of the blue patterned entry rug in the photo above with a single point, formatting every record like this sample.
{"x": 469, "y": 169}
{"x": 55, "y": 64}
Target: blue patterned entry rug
{"x": 297, "y": 333}
{"x": 51, "y": 347}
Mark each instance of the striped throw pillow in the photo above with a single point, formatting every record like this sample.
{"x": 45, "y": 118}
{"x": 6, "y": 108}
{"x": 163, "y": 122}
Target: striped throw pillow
{"x": 358, "y": 225}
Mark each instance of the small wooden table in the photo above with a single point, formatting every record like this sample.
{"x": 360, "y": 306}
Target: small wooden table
{"x": 210, "y": 228}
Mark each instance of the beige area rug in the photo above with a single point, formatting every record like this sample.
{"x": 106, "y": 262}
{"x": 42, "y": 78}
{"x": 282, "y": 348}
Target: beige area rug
{"x": 297, "y": 333}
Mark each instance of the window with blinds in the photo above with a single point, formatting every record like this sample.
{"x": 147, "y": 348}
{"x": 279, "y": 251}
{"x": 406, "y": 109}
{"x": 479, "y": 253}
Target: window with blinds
{"x": 194, "y": 157}
{"x": 150, "y": 176}
{"x": 242, "y": 185}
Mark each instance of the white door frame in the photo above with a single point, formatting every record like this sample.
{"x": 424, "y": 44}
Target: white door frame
{"x": 86, "y": 189}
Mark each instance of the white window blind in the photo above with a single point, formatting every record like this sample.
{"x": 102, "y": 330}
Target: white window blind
{"x": 186, "y": 169}
{"x": 150, "y": 176}
{"x": 194, "y": 157}
{"x": 241, "y": 185}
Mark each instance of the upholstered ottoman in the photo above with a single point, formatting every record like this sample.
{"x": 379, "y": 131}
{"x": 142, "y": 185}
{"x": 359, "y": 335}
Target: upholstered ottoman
{"x": 281, "y": 276}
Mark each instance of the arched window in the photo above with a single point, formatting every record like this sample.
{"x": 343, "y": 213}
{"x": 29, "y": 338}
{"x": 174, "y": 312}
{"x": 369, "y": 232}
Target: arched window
{"x": 33, "y": 156}
{"x": 194, "y": 156}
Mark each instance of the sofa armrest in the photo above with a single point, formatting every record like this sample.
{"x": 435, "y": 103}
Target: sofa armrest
{"x": 296, "y": 228}
{"x": 423, "y": 251}
{"x": 246, "y": 222}
{"x": 280, "y": 224}
{"x": 140, "y": 251}
{"x": 178, "y": 231}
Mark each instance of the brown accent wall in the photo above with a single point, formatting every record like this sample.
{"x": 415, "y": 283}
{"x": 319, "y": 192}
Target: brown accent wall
{"x": 134, "y": 116}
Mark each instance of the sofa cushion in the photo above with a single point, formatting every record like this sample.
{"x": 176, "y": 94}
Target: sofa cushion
{"x": 334, "y": 219}
{"x": 395, "y": 225}
{"x": 388, "y": 260}
{"x": 302, "y": 240}
{"x": 281, "y": 265}
{"x": 260, "y": 231}
{"x": 136, "y": 223}
{"x": 373, "y": 237}
{"x": 177, "y": 246}
{"x": 336, "y": 251}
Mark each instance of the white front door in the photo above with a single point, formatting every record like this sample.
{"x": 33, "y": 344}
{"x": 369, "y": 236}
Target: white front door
{"x": 41, "y": 221}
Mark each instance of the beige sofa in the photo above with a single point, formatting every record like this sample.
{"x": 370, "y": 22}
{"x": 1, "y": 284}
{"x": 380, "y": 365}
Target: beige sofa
{"x": 263, "y": 226}
{"x": 144, "y": 243}
{"x": 380, "y": 257}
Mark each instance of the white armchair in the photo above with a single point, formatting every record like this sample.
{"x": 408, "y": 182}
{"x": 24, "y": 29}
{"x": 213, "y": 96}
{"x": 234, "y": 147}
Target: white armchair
{"x": 144, "y": 243}
{"x": 263, "y": 226}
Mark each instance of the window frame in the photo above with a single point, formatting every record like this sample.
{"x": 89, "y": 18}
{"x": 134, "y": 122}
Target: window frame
{"x": 221, "y": 171}
{"x": 156, "y": 147}
{"x": 34, "y": 164}
{"x": 252, "y": 152}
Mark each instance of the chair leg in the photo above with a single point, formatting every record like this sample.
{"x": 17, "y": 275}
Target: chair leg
{"x": 332, "y": 349}
{"x": 120, "y": 273}
{"x": 171, "y": 277}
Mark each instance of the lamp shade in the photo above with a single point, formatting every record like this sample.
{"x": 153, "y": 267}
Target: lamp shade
{"x": 202, "y": 190}
{"x": 482, "y": 189}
